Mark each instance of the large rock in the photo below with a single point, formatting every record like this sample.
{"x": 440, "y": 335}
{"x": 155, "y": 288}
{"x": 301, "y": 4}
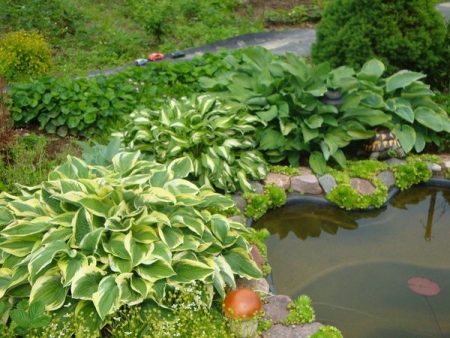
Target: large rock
{"x": 387, "y": 177}
{"x": 446, "y": 164}
{"x": 435, "y": 168}
{"x": 305, "y": 171}
{"x": 258, "y": 285}
{"x": 257, "y": 256}
{"x": 279, "y": 180}
{"x": 292, "y": 331}
{"x": 238, "y": 218}
{"x": 257, "y": 186}
{"x": 362, "y": 186}
{"x": 327, "y": 182}
{"x": 395, "y": 161}
{"x": 240, "y": 202}
{"x": 276, "y": 308}
{"x": 306, "y": 184}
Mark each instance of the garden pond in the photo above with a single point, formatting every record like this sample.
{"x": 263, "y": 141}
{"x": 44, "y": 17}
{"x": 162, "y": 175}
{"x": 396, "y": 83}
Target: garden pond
{"x": 379, "y": 273}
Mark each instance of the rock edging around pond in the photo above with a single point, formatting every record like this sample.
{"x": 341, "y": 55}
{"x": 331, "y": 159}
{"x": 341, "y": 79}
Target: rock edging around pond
{"x": 307, "y": 186}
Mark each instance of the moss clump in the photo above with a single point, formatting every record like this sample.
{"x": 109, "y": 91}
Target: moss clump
{"x": 327, "y": 331}
{"x": 277, "y": 196}
{"x": 264, "y": 325}
{"x": 300, "y": 311}
{"x": 366, "y": 169}
{"x": 286, "y": 170}
{"x": 413, "y": 172}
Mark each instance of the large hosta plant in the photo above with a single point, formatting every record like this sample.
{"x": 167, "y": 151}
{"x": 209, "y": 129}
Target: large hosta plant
{"x": 217, "y": 138}
{"x": 102, "y": 237}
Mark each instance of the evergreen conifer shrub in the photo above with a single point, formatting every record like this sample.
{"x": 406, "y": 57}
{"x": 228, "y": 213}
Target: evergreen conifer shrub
{"x": 404, "y": 34}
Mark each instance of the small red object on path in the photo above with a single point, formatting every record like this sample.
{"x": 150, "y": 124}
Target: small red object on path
{"x": 155, "y": 56}
{"x": 423, "y": 286}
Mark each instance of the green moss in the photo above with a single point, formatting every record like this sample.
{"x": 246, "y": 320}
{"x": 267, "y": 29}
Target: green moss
{"x": 300, "y": 311}
{"x": 277, "y": 196}
{"x": 327, "y": 331}
{"x": 257, "y": 205}
{"x": 286, "y": 170}
{"x": 264, "y": 325}
{"x": 413, "y": 172}
{"x": 258, "y": 237}
{"x": 365, "y": 169}
{"x": 424, "y": 157}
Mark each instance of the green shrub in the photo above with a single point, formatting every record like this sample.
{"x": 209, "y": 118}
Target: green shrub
{"x": 23, "y": 55}
{"x": 101, "y": 237}
{"x": 217, "y": 138}
{"x": 404, "y": 34}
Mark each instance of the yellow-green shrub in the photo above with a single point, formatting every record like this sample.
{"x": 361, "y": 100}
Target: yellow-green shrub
{"x": 23, "y": 55}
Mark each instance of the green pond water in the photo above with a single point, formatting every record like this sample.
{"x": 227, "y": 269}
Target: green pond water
{"x": 356, "y": 265}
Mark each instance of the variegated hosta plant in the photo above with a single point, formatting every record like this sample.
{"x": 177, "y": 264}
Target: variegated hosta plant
{"x": 108, "y": 236}
{"x": 217, "y": 138}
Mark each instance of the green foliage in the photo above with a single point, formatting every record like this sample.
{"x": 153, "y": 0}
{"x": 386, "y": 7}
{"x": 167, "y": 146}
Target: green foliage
{"x": 26, "y": 316}
{"x": 300, "y": 311}
{"x": 404, "y": 34}
{"x": 122, "y": 234}
{"x": 345, "y": 196}
{"x": 27, "y": 161}
{"x": 294, "y": 16}
{"x": 94, "y": 106}
{"x": 286, "y": 170}
{"x": 289, "y": 95}
{"x": 327, "y": 331}
{"x": 277, "y": 196}
{"x": 257, "y": 205}
{"x": 23, "y": 55}
{"x": 99, "y": 154}
{"x": 413, "y": 172}
{"x": 264, "y": 325}
{"x": 217, "y": 138}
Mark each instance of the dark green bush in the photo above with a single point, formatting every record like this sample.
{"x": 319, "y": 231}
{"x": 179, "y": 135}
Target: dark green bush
{"x": 404, "y": 34}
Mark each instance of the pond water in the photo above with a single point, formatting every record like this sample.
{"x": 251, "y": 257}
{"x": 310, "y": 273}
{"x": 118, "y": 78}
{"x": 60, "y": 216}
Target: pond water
{"x": 356, "y": 265}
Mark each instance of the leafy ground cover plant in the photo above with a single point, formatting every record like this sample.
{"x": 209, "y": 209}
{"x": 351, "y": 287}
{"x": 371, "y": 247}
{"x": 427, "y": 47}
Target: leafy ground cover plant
{"x": 259, "y": 204}
{"x": 217, "y": 138}
{"x": 293, "y": 99}
{"x": 96, "y": 238}
{"x": 94, "y": 106}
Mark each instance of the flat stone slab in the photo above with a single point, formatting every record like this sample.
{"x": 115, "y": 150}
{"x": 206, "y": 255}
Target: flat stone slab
{"x": 257, "y": 186}
{"x": 387, "y": 177}
{"x": 240, "y": 202}
{"x": 395, "y": 161}
{"x": 327, "y": 182}
{"x": 364, "y": 187}
{"x": 306, "y": 184}
{"x": 279, "y": 180}
{"x": 276, "y": 308}
{"x": 292, "y": 331}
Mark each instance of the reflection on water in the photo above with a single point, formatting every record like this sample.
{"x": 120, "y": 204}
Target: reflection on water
{"x": 356, "y": 265}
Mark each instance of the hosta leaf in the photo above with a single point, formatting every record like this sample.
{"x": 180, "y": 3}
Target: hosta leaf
{"x": 220, "y": 227}
{"x": 19, "y": 247}
{"x": 188, "y": 270}
{"x": 60, "y": 234}
{"x": 171, "y": 236}
{"x": 49, "y": 291}
{"x": 419, "y": 146}
{"x": 402, "y": 79}
{"x": 179, "y": 186}
{"x": 124, "y": 161}
{"x": 372, "y": 70}
{"x": 241, "y": 263}
{"x": 268, "y": 115}
{"x": 406, "y": 136}
{"x": 314, "y": 121}
{"x": 85, "y": 282}
{"x": 27, "y": 228}
{"x": 339, "y": 157}
{"x": 157, "y": 270}
{"x": 428, "y": 118}
{"x": 127, "y": 294}
{"x": 317, "y": 163}
{"x": 97, "y": 206}
{"x": 44, "y": 256}
{"x": 90, "y": 242}
{"x": 107, "y": 297}
{"x": 144, "y": 233}
{"x": 6, "y": 217}
{"x": 156, "y": 195}
{"x": 180, "y": 167}
{"x": 29, "y": 208}
{"x": 69, "y": 266}
{"x": 81, "y": 225}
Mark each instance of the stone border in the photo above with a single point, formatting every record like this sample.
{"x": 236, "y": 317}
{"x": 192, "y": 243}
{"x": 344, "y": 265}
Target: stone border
{"x": 310, "y": 188}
